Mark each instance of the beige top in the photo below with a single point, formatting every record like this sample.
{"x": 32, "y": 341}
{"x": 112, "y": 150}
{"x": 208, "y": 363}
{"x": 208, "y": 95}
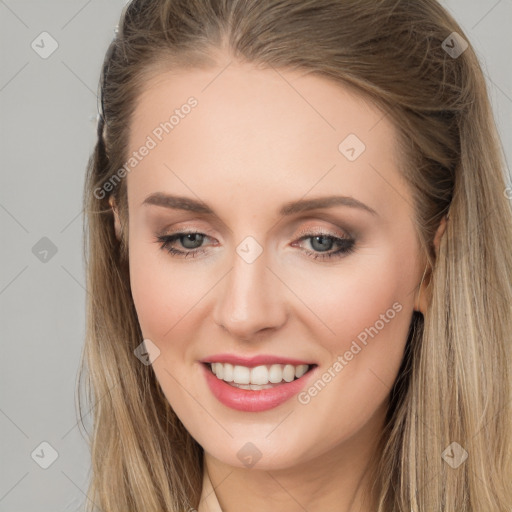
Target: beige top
{"x": 209, "y": 501}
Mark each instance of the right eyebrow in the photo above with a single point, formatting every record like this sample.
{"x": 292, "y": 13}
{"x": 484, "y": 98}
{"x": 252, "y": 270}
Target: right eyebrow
{"x": 177, "y": 203}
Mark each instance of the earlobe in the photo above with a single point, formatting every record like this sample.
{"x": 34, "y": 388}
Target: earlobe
{"x": 422, "y": 302}
{"x": 117, "y": 222}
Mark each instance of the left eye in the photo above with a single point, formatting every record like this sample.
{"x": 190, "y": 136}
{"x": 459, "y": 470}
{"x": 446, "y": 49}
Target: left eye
{"x": 321, "y": 243}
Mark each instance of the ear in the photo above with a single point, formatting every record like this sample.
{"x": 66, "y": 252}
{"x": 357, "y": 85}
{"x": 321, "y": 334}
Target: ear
{"x": 117, "y": 222}
{"x": 439, "y": 233}
{"x": 422, "y": 302}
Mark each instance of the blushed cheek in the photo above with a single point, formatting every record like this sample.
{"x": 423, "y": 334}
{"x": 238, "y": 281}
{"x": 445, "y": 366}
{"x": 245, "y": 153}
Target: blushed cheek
{"x": 167, "y": 298}
{"x": 366, "y": 311}
{"x": 154, "y": 293}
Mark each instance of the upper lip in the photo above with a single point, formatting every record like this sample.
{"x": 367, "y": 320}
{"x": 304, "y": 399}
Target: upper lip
{"x": 250, "y": 362}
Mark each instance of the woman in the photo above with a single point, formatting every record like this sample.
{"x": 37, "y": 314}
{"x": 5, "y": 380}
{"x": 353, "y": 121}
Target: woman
{"x": 298, "y": 263}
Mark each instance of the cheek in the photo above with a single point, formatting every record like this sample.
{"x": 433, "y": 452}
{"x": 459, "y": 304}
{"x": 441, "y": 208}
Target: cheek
{"x": 152, "y": 292}
{"x": 369, "y": 308}
{"x": 163, "y": 292}
{"x": 167, "y": 298}
{"x": 365, "y": 310}
{"x": 361, "y": 293}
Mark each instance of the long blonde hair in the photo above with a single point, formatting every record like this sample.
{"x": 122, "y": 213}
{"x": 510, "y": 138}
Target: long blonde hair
{"x": 455, "y": 381}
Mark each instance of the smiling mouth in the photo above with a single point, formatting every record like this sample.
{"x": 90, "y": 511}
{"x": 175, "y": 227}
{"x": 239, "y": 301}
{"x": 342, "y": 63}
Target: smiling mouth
{"x": 258, "y": 377}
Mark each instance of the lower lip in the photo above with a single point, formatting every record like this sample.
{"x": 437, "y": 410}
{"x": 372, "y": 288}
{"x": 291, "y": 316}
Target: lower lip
{"x": 253, "y": 401}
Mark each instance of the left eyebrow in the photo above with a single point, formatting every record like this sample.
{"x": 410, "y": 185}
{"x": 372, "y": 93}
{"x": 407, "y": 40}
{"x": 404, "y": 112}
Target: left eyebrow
{"x": 290, "y": 208}
{"x": 323, "y": 202}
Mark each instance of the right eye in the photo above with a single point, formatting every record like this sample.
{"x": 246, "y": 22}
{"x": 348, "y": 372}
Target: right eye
{"x": 191, "y": 241}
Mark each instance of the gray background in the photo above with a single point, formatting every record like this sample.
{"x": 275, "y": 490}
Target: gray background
{"x": 48, "y": 119}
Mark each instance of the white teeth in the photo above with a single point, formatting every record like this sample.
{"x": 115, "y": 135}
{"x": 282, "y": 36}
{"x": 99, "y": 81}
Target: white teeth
{"x": 299, "y": 370}
{"x": 258, "y": 377}
{"x": 241, "y": 374}
{"x": 289, "y": 373}
{"x": 275, "y": 374}
{"x": 228, "y": 372}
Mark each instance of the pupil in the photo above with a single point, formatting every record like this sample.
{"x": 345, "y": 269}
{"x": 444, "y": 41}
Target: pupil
{"x": 194, "y": 239}
{"x": 322, "y": 246}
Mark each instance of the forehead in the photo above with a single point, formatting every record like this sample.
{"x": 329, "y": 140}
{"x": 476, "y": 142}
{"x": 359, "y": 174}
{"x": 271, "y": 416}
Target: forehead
{"x": 242, "y": 92}
{"x": 259, "y": 129}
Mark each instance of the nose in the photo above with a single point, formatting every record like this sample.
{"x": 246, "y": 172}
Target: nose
{"x": 250, "y": 299}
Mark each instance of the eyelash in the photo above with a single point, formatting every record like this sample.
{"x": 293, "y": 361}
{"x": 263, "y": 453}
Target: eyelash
{"x": 346, "y": 244}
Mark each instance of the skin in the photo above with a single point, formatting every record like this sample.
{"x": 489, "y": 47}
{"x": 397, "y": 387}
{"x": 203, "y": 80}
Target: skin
{"x": 256, "y": 140}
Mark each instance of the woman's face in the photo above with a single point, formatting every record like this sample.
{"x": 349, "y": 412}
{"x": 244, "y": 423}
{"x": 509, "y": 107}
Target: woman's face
{"x": 305, "y": 254}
